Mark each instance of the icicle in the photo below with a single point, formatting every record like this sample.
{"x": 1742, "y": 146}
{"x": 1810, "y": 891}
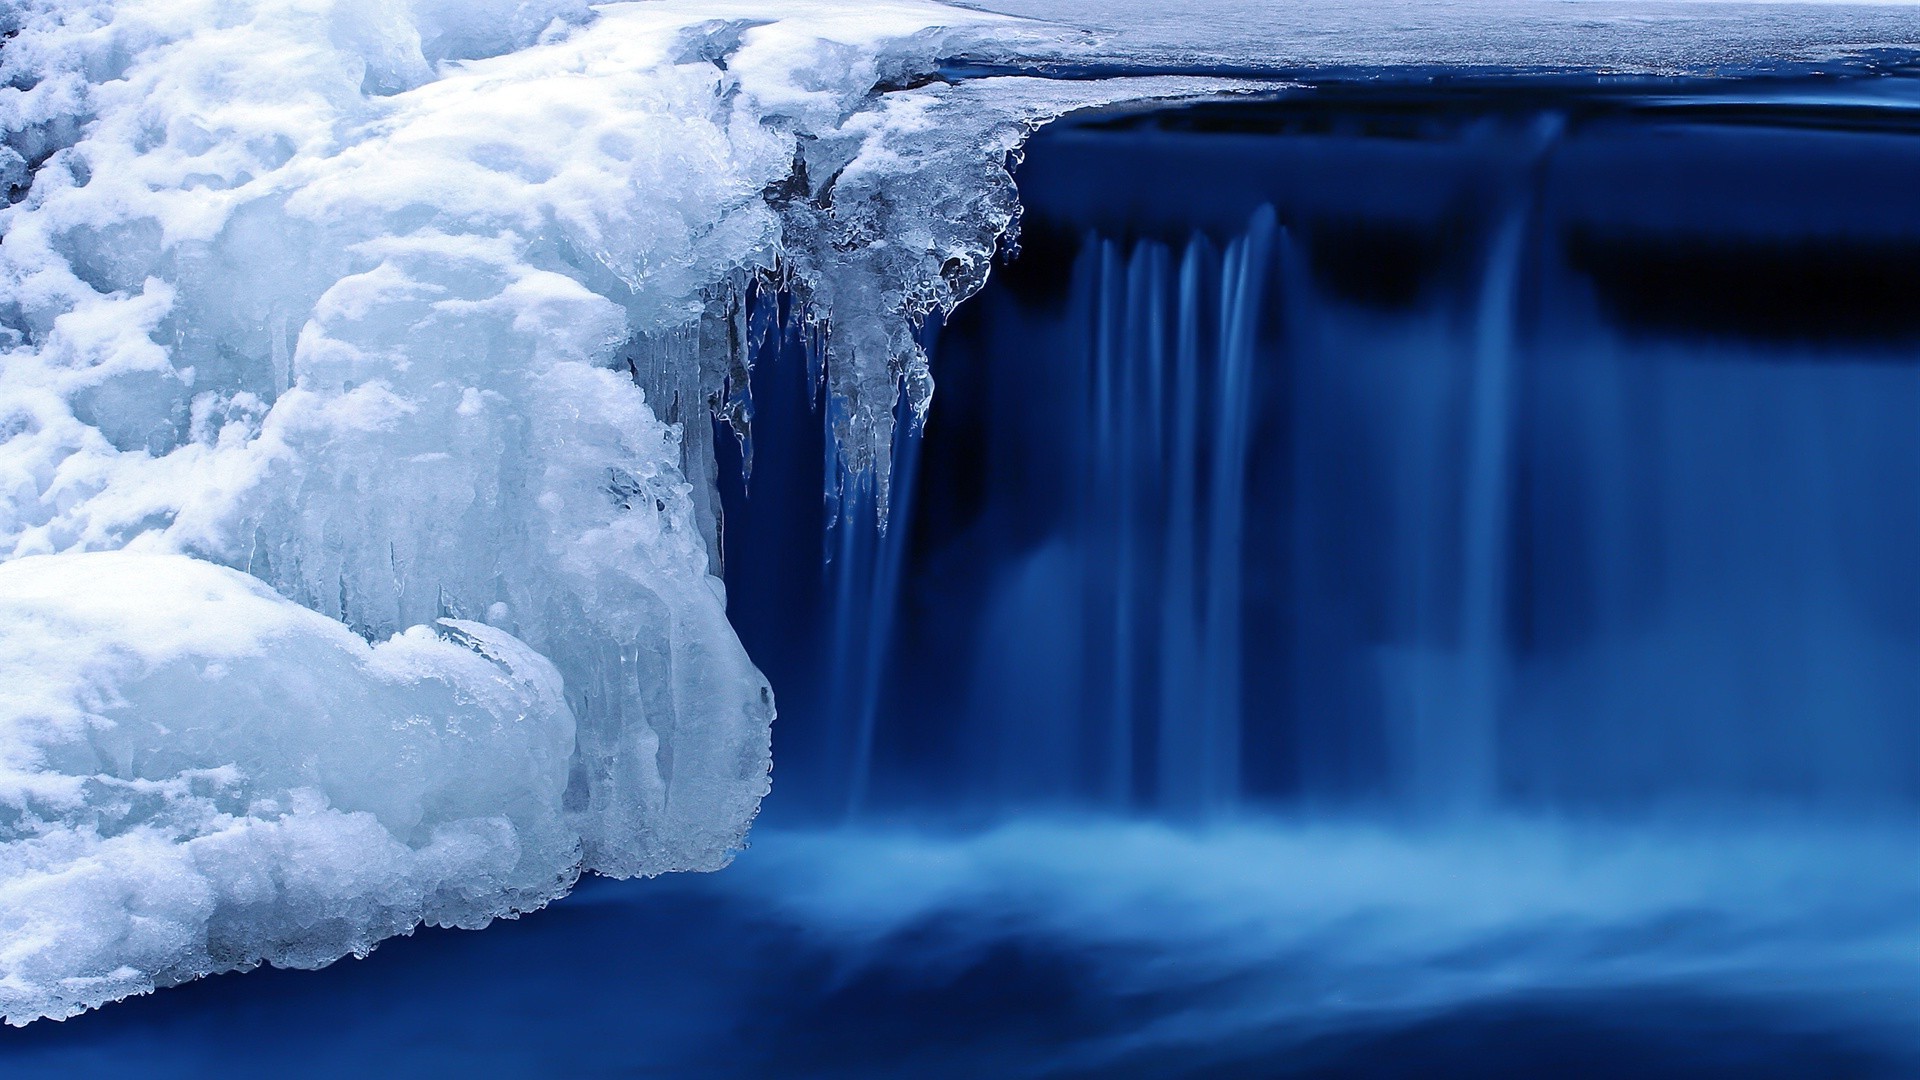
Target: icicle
{"x": 732, "y": 399}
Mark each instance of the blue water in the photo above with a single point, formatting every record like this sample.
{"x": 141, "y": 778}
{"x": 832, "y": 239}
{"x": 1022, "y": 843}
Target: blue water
{"x": 1096, "y": 948}
{"x": 1441, "y": 452}
{"x": 1399, "y": 580}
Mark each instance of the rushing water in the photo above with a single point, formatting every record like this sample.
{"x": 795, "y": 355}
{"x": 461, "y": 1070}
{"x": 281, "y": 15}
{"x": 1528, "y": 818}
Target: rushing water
{"x": 1395, "y": 582}
{"x": 1440, "y": 453}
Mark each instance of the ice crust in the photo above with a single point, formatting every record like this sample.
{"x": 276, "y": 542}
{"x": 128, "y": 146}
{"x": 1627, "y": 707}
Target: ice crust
{"x": 356, "y": 510}
{"x": 1712, "y": 38}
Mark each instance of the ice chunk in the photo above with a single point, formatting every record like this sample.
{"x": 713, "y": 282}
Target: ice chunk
{"x": 197, "y": 775}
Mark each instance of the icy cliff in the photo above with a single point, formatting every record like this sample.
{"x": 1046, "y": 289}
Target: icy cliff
{"x": 355, "y": 494}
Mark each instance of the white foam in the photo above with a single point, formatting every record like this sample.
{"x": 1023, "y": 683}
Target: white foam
{"x": 1274, "y": 926}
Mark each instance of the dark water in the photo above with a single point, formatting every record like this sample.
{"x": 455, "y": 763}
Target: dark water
{"x": 1399, "y": 581}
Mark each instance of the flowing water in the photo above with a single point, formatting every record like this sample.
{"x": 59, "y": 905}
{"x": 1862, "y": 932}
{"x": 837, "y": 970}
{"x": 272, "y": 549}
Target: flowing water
{"x": 1415, "y": 580}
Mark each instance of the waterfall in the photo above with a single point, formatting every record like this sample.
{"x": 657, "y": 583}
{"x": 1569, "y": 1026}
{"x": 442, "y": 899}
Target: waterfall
{"x": 1162, "y": 515}
{"x": 1411, "y": 503}
{"x": 1243, "y": 291}
{"x": 1181, "y": 648}
{"x": 864, "y": 567}
{"x": 883, "y": 603}
{"x": 1454, "y": 753}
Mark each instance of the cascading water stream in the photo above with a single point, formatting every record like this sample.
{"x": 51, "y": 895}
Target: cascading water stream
{"x": 888, "y": 555}
{"x": 1453, "y": 750}
{"x": 1179, "y": 640}
{"x": 1401, "y": 530}
{"x": 1161, "y": 529}
{"x": 1243, "y": 294}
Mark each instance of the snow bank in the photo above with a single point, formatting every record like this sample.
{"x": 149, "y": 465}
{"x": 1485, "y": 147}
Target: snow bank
{"x": 412, "y": 312}
{"x": 196, "y": 773}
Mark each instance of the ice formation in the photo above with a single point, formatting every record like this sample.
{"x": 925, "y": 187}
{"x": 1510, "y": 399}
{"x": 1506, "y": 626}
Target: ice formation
{"x": 197, "y": 773}
{"x": 356, "y": 529}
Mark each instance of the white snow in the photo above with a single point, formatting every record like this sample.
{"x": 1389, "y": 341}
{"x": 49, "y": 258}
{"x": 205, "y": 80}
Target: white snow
{"x": 196, "y": 773}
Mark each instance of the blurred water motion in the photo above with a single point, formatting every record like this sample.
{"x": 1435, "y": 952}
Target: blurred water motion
{"x": 1422, "y": 451}
{"x": 1092, "y": 947}
{"x": 1395, "y": 583}
{"x": 1484, "y": 517}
